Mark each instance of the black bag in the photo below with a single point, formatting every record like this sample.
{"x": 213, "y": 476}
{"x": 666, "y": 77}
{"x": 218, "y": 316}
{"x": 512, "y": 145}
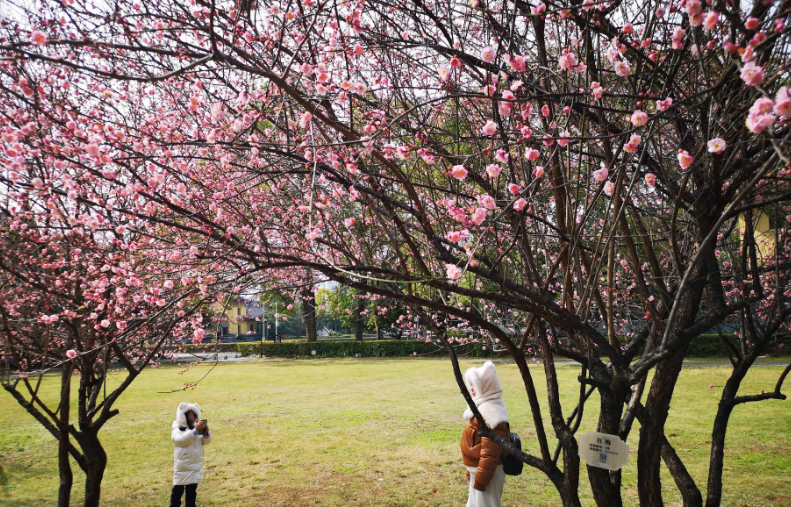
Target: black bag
{"x": 511, "y": 465}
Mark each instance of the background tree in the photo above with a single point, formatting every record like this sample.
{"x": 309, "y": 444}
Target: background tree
{"x": 79, "y": 298}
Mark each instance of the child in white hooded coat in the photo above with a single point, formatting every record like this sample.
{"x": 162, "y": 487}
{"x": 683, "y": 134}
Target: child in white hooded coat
{"x": 188, "y": 453}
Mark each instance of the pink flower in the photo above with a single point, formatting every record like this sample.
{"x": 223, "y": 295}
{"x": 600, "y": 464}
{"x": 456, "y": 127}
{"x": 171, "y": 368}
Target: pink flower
{"x": 639, "y": 118}
{"x": 538, "y": 171}
{"x": 513, "y": 188}
{"x": 520, "y": 204}
{"x": 664, "y": 105}
{"x": 693, "y": 7}
{"x": 760, "y": 116}
{"x": 650, "y": 179}
{"x": 487, "y": 201}
{"x": 517, "y": 63}
{"x": 532, "y": 154}
{"x": 752, "y": 74}
{"x": 783, "y": 103}
{"x": 601, "y": 174}
{"x": 538, "y": 9}
{"x": 459, "y": 172}
{"x": 762, "y": 105}
{"x": 596, "y": 90}
{"x": 563, "y": 141}
{"x": 609, "y": 187}
{"x": 479, "y": 216}
{"x": 567, "y": 60}
{"x": 711, "y": 20}
{"x": 452, "y": 271}
{"x": 751, "y": 23}
{"x": 717, "y": 145}
{"x": 194, "y": 250}
{"x": 501, "y": 156}
{"x": 199, "y": 334}
{"x": 684, "y": 159}
{"x": 633, "y": 143}
{"x": 38, "y": 38}
{"x": 456, "y": 236}
{"x": 488, "y": 54}
{"x": 759, "y": 123}
{"x": 304, "y": 121}
{"x": 444, "y": 73}
{"x": 695, "y": 19}
{"x": 545, "y": 110}
{"x": 348, "y": 222}
{"x": 493, "y": 170}
{"x": 489, "y": 129}
{"x": 622, "y": 68}
{"x": 71, "y": 353}
{"x": 168, "y": 284}
{"x": 105, "y": 323}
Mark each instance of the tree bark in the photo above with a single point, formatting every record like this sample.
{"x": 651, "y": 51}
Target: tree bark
{"x": 606, "y": 485}
{"x": 690, "y": 492}
{"x": 309, "y": 311}
{"x": 358, "y": 318}
{"x": 96, "y": 463}
{"x": 64, "y": 466}
{"x": 649, "y": 453}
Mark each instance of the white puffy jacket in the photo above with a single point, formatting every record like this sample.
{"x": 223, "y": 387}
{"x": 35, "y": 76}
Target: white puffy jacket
{"x": 188, "y": 454}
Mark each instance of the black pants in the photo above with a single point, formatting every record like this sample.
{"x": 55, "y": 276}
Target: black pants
{"x": 175, "y": 495}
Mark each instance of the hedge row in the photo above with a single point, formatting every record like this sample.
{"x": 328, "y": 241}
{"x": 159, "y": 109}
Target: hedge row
{"x": 702, "y": 346}
{"x": 381, "y": 348}
{"x": 710, "y": 345}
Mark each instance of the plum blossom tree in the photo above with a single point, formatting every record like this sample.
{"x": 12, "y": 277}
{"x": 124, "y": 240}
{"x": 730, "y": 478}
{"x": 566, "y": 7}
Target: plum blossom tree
{"x": 79, "y": 299}
{"x": 569, "y": 177}
{"x": 79, "y": 292}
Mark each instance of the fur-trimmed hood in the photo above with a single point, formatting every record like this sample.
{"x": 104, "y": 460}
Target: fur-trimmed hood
{"x": 488, "y": 394}
{"x": 181, "y": 413}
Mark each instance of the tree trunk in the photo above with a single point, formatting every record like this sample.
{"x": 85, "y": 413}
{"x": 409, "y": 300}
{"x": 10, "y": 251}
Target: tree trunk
{"x": 652, "y": 430}
{"x": 718, "y": 433}
{"x": 606, "y": 485}
{"x": 309, "y": 311}
{"x": 358, "y": 318}
{"x": 96, "y": 463}
{"x": 64, "y": 466}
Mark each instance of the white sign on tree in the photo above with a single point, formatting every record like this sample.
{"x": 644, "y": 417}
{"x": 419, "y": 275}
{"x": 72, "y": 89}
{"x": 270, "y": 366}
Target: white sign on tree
{"x": 603, "y": 450}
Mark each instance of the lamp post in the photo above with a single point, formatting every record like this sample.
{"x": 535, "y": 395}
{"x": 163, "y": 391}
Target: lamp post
{"x": 263, "y": 317}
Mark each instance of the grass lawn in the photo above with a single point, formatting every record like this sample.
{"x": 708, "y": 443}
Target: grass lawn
{"x": 370, "y": 432}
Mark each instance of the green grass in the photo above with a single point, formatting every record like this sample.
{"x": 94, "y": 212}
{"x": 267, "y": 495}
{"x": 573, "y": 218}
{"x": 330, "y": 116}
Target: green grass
{"x": 369, "y": 432}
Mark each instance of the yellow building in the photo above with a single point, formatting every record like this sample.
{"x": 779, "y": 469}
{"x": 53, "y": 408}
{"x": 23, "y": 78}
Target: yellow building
{"x": 764, "y": 234}
{"x": 237, "y": 319}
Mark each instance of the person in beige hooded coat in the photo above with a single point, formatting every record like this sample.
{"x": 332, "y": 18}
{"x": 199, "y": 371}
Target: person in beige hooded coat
{"x": 482, "y": 456}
